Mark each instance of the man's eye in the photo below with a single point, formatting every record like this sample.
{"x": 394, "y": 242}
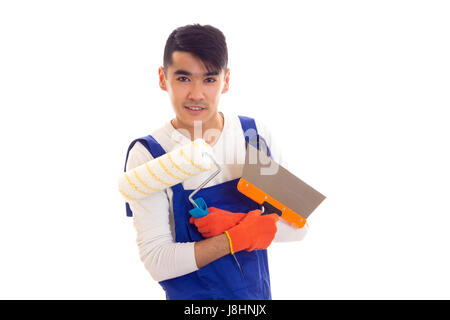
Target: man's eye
{"x": 210, "y": 80}
{"x": 181, "y": 79}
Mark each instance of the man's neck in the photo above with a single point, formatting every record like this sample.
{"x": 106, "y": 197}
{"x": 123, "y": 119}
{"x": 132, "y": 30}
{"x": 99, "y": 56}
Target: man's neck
{"x": 209, "y": 130}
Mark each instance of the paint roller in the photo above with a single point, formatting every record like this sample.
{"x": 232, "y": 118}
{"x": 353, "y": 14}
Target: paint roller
{"x": 170, "y": 169}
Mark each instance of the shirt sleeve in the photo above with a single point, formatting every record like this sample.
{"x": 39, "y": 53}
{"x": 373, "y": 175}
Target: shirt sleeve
{"x": 162, "y": 256}
{"x": 285, "y": 231}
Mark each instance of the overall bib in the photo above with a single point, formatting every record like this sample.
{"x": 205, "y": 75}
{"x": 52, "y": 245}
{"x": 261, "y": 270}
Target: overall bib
{"x": 221, "y": 279}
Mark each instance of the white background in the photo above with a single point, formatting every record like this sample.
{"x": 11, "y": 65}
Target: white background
{"x": 356, "y": 91}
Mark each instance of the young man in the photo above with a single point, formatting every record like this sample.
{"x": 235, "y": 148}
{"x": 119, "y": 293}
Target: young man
{"x": 191, "y": 258}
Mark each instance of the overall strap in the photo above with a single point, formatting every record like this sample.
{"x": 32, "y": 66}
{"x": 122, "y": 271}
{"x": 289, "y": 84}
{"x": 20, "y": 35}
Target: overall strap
{"x": 251, "y": 134}
{"x": 155, "y": 150}
{"x": 248, "y": 123}
{"x": 150, "y": 144}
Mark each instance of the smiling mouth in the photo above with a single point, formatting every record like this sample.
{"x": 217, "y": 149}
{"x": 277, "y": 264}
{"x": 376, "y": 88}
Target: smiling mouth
{"x": 194, "y": 108}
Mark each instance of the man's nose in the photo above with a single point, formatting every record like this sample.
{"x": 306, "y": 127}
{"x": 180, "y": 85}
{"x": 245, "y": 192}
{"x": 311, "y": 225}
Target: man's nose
{"x": 196, "y": 92}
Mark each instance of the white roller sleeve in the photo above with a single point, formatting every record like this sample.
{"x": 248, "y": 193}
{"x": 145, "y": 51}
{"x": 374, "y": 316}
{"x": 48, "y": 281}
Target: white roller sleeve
{"x": 168, "y": 170}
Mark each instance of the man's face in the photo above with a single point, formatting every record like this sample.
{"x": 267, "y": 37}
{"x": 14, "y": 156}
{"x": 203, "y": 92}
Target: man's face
{"x": 194, "y": 93}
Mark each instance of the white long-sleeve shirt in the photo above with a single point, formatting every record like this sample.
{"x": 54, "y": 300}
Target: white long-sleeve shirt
{"x": 153, "y": 216}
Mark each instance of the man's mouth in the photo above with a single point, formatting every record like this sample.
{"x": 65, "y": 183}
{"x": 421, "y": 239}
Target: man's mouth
{"x": 194, "y": 110}
{"x": 194, "y": 107}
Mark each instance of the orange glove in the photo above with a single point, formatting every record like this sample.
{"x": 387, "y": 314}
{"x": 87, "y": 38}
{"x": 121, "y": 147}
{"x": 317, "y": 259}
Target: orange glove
{"x": 253, "y": 232}
{"x": 216, "y": 222}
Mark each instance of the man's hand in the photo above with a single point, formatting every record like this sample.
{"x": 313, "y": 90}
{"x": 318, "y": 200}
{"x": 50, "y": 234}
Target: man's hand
{"x": 253, "y": 232}
{"x": 216, "y": 222}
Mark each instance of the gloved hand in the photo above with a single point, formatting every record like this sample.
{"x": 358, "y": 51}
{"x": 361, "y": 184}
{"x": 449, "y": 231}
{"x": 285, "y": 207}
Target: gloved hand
{"x": 216, "y": 222}
{"x": 253, "y": 232}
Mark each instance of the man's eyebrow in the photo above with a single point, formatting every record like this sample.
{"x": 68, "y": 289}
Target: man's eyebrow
{"x": 187, "y": 73}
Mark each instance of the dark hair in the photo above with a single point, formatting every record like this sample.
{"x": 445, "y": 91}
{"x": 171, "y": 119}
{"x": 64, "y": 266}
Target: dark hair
{"x": 204, "y": 42}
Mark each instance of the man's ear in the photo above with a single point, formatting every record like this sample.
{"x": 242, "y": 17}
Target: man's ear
{"x": 226, "y": 85}
{"x": 162, "y": 79}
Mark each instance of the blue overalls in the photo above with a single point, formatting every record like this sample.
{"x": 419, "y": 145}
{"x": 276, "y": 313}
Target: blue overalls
{"x": 221, "y": 279}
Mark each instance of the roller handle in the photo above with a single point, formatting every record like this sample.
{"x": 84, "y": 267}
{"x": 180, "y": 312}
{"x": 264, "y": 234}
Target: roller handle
{"x": 201, "y": 210}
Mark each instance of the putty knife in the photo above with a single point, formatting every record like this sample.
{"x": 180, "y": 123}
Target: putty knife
{"x": 281, "y": 193}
